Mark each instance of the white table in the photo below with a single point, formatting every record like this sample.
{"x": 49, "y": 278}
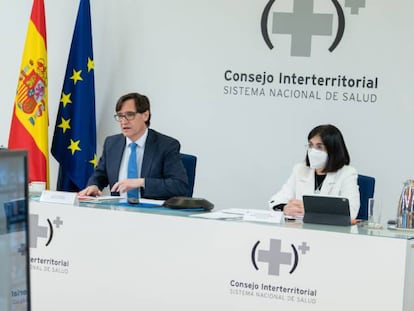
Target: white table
{"x": 129, "y": 259}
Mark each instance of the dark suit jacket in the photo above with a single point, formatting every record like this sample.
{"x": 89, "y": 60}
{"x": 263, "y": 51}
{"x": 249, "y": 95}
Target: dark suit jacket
{"x": 162, "y": 168}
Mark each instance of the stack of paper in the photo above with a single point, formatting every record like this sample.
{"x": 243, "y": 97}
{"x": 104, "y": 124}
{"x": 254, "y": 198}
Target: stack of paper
{"x": 257, "y": 215}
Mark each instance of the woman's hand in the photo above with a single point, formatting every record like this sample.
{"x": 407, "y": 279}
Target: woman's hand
{"x": 294, "y": 207}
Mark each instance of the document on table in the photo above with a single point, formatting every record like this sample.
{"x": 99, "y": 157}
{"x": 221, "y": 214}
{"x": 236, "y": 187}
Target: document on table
{"x": 108, "y": 198}
{"x": 256, "y": 215}
{"x": 93, "y": 199}
{"x": 218, "y": 215}
{"x": 275, "y": 217}
{"x": 152, "y": 201}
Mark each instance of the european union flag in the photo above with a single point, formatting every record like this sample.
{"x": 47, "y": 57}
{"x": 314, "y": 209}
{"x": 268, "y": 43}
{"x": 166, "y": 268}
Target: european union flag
{"x": 74, "y": 140}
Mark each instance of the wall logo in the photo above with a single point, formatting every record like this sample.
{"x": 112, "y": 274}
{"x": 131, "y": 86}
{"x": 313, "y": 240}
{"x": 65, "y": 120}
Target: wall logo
{"x": 303, "y": 23}
{"x": 38, "y": 231}
{"x": 275, "y": 257}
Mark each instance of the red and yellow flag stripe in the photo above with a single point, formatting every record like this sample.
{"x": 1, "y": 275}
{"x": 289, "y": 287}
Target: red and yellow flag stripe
{"x": 29, "y": 126}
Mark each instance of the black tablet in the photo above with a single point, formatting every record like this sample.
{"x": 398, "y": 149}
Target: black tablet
{"x": 327, "y": 210}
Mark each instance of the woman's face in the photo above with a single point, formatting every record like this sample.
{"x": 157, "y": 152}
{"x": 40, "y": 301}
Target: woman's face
{"x": 317, "y": 154}
{"x": 316, "y": 143}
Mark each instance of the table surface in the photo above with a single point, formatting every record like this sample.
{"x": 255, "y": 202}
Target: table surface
{"x": 361, "y": 228}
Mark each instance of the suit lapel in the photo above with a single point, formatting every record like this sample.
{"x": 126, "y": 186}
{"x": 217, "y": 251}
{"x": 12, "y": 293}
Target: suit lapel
{"x": 118, "y": 144}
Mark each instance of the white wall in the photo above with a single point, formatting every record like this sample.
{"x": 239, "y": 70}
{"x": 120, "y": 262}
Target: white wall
{"x": 177, "y": 51}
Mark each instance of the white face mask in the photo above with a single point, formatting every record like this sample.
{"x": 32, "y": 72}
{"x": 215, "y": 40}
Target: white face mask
{"x": 317, "y": 158}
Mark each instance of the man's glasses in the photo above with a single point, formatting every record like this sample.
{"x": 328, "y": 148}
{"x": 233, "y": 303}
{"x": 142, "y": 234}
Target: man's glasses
{"x": 129, "y": 115}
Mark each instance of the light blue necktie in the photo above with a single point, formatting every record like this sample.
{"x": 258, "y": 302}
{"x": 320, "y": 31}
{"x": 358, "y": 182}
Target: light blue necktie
{"x": 133, "y": 170}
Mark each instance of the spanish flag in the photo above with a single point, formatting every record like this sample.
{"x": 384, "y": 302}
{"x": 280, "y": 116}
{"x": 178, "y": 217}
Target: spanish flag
{"x": 29, "y": 126}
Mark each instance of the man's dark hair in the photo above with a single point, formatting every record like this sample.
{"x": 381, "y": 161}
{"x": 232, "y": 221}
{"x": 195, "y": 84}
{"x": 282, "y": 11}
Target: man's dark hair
{"x": 142, "y": 104}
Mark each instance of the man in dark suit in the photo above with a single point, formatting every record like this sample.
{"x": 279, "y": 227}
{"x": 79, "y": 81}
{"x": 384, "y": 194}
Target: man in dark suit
{"x": 162, "y": 174}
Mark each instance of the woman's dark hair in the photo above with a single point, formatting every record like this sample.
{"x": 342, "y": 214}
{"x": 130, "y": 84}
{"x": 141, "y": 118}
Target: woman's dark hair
{"x": 142, "y": 104}
{"x": 333, "y": 140}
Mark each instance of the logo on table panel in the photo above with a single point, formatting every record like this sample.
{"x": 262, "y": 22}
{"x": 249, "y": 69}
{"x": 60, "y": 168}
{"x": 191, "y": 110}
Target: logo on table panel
{"x": 43, "y": 232}
{"x": 274, "y": 257}
{"x": 302, "y": 23}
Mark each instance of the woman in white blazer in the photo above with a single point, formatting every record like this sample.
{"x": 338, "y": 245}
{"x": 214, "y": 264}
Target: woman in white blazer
{"x": 326, "y": 171}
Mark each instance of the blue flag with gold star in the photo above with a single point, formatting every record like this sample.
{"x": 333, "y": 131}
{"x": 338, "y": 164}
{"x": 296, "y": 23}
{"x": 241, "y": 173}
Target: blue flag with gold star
{"x": 74, "y": 140}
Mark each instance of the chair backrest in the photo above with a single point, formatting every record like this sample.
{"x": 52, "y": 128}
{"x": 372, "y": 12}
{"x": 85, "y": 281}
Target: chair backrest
{"x": 366, "y": 191}
{"x": 190, "y": 163}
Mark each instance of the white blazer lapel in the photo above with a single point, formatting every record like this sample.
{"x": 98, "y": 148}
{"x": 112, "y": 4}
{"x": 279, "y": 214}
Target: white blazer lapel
{"x": 306, "y": 183}
{"x": 329, "y": 183}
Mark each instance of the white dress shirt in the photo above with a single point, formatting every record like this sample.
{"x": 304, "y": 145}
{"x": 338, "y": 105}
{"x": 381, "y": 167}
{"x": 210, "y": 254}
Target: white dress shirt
{"x": 123, "y": 170}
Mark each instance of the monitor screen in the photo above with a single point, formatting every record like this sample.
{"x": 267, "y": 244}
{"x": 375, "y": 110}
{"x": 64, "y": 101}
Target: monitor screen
{"x": 14, "y": 246}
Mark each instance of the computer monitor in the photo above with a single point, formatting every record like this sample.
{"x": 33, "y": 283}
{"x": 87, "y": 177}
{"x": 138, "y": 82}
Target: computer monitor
{"x": 14, "y": 233}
